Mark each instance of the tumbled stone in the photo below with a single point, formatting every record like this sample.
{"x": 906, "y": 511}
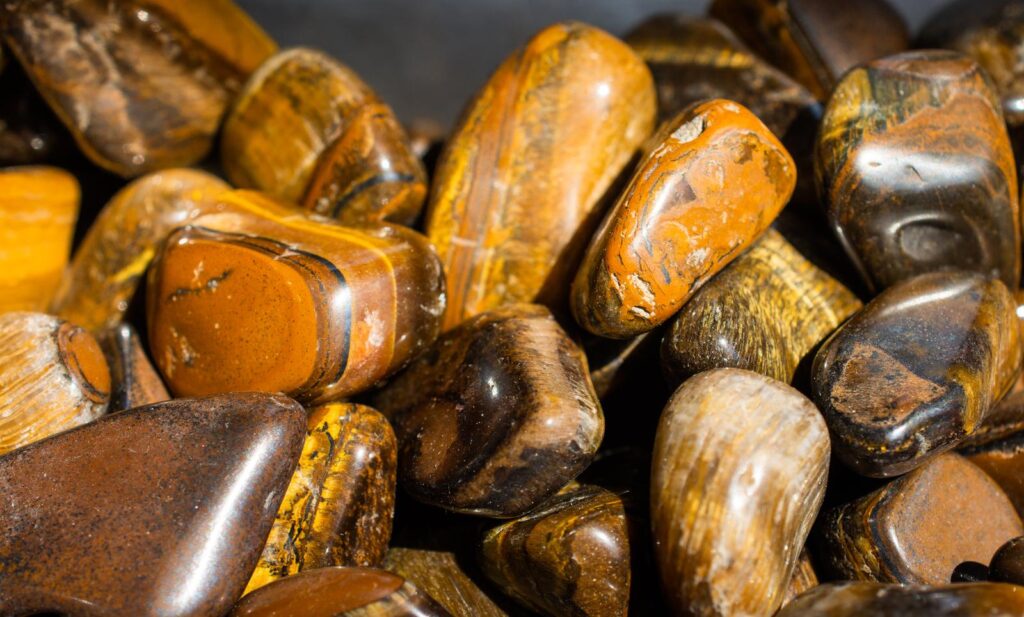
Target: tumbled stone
{"x": 338, "y": 507}
{"x": 916, "y": 170}
{"x": 439, "y": 574}
{"x": 160, "y": 510}
{"x": 765, "y": 312}
{"x": 260, "y": 297}
{"x": 497, "y": 416}
{"x": 878, "y": 600}
{"x": 1001, "y": 455}
{"x": 1008, "y": 563}
{"x": 739, "y": 469}
{"x": 569, "y": 556}
{"x": 134, "y": 381}
{"x": 916, "y": 371}
{"x": 712, "y": 185}
{"x": 918, "y": 528}
{"x": 519, "y": 184}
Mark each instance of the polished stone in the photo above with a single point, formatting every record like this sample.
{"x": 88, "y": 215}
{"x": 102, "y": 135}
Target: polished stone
{"x": 878, "y": 600}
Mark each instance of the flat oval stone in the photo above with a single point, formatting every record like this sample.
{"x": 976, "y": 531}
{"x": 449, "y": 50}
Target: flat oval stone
{"x": 519, "y": 184}
{"x": 338, "y": 507}
{"x": 196, "y": 54}
{"x": 439, "y": 574}
{"x": 878, "y": 600}
{"x": 916, "y": 371}
{"x": 815, "y": 41}
{"x": 1008, "y": 563}
{"x": 739, "y": 469}
{"x": 339, "y": 592}
{"x": 134, "y": 381}
{"x": 712, "y": 185}
{"x": 53, "y": 377}
{"x": 38, "y": 208}
{"x": 289, "y": 303}
{"x": 497, "y": 416}
{"x": 765, "y": 312}
{"x": 112, "y": 258}
{"x": 307, "y": 130}
{"x": 569, "y": 556}
{"x": 904, "y": 138}
{"x": 918, "y": 528}
{"x": 176, "y": 497}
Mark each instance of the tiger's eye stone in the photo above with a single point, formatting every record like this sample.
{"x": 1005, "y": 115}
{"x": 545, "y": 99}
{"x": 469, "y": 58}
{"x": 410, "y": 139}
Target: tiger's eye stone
{"x": 38, "y": 208}
{"x": 804, "y": 578}
{"x": 120, "y": 244}
{"x": 53, "y": 377}
{"x": 339, "y": 592}
{"x": 160, "y": 510}
{"x": 917, "y": 370}
{"x": 916, "y": 170}
{"x": 878, "y": 600}
{"x": 765, "y": 312}
{"x": 338, "y": 508}
{"x": 439, "y": 575}
{"x": 134, "y": 381}
{"x": 714, "y": 183}
{"x": 520, "y": 182}
{"x": 815, "y": 41}
{"x": 1001, "y": 456}
{"x": 84, "y": 56}
{"x": 260, "y": 297}
{"x": 1008, "y": 563}
{"x": 309, "y": 131}
{"x": 568, "y": 557}
{"x": 739, "y": 469}
{"x": 919, "y": 527}
{"x": 497, "y": 416}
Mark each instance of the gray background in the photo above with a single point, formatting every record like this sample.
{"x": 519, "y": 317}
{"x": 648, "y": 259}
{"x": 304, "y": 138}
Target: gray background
{"x": 427, "y": 57}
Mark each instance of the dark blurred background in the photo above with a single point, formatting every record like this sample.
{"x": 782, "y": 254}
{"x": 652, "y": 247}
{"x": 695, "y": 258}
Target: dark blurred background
{"x": 427, "y": 57}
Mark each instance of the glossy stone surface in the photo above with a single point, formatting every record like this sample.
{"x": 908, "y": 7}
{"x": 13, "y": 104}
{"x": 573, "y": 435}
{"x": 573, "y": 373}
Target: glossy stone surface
{"x": 309, "y": 131}
{"x": 338, "y": 507}
{"x": 916, "y": 371}
{"x": 121, "y": 242}
{"x": 815, "y": 41}
{"x": 739, "y": 469}
{"x": 196, "y": 54}
{"x": 38, "y": 208}
{"x": 439, "y": 574}
{"x": 570, "y": 556}
{"x": 916, "y": 170}
{"x": 878, "y": 600}
{"x": 520, "y": 182}
{"x": 497, "y": 416}
{"x": 53, "y": 377}
{"x": 765, "y": 312}
{"x": 918, "y": 528}
{"x": 1008, "y": 563}
{"x": 289, "y": 303}
{"x": 176, "y": 497}
{"x": 712, "y": 185}
{"x": 1001, "y": 456}
{"x": 339, "y": 592}
{"x": 134, "y": 381}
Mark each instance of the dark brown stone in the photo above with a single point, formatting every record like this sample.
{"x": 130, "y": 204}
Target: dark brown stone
{"x": 134, "y": 381}
{"x": 878, "y": 600}
{"x": 1008, "y": 563}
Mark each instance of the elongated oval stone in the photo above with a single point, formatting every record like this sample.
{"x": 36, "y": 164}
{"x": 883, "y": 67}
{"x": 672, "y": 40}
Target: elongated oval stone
{"x": 53, "y": 377}
{"x": 916, "y": 371}
{"x": 83, "y": 56}
{"x": 339, "y": 592}
{"x": 738, "y": 470}
{"x": 134, "y": 381}
{"x": 518, "y": 185}
{"x": 815, "y": 41}
{"x": 308, "y": 130}
{"x": 120, "y": 244}
{"x": 916, "y": 170}
{"x": 289, "y": 303}
{"x": 918, "y": 528}
{"x": 497, "y": 416}
{"x": 765, "y": 312}
{"x": 570, "y": 556}
{"x": 439, "y": 574}
{"x": 714, "y": 183}
{"x": 878, "y": 600}
{"x": 38, "y": 208}
{"x": 338, "y": 507}
{"x": 176, "y": 497}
